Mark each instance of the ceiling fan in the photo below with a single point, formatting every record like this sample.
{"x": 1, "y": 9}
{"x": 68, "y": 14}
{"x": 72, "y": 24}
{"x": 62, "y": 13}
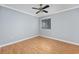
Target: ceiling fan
{"x": 41, "y": 8}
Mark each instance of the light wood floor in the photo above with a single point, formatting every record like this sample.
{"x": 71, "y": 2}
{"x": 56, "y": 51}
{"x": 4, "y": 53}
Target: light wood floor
{"x": 40, "y": 45}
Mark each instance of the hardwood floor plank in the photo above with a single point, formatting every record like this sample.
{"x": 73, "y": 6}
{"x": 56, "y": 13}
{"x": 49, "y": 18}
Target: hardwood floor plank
{"x": 40, "y": 45}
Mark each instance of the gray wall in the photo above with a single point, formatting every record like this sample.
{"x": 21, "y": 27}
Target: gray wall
{"x": 65, "y": 26}
{"x": 16, "y": 26}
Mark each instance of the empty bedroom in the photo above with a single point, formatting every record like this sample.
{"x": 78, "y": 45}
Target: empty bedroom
{"x": 39, "y": 28}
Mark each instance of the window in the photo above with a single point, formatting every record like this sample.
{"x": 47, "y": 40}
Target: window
{"x": 46, "y": 23}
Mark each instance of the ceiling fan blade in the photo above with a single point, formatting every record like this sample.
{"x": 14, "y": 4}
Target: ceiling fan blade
{"x": 35, "y": 8}
{"x": 45, "y": 7}
{"x": 37, "y": 12}
{"x": 45, "y": 11}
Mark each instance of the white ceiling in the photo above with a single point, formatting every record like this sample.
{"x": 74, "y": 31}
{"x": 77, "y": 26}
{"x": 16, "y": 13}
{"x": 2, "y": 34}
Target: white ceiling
{"x": 27, "y": 8}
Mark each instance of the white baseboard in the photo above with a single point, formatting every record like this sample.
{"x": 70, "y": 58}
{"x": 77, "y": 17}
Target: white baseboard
{"x": 17, "y": 41}
{"x": 69, "y": 42}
